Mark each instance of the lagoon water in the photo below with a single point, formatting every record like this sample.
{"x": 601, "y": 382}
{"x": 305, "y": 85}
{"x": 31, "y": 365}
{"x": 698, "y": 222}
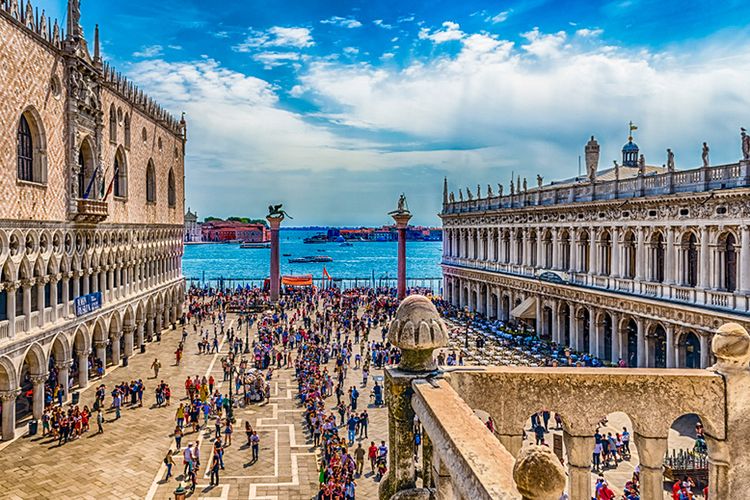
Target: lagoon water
{"x": 228, "y": 260}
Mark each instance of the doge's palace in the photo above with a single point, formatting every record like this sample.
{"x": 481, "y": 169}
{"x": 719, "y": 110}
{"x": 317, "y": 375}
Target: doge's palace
{"x": 637, "y": 263}
{"x": 91, "y": 214}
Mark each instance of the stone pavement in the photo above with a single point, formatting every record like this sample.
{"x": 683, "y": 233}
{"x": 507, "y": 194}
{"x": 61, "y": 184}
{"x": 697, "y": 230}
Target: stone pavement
{"x": 126, "y": 460}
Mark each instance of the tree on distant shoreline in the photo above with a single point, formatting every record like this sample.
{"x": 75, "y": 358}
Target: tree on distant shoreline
{"x": 244, "y": 220}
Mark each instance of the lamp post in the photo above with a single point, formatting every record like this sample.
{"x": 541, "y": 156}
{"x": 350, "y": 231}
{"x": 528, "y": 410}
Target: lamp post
{"x": 247, "y": 333}
{"x": 230, "y": 408}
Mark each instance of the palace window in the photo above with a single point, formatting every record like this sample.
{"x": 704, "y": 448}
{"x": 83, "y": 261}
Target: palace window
{"x": 150, "y": 182}
{"x": 171, "y": 191}
{"x": 86, "y": 181}
{"x": 657, "y": 259}
{"x": 121, "y": 174}
{"x": 691, "y": 261}
{"x": 25, "y": 151}
{"x": 585, "y": 247}
{"x": 565, "y": 251}
{"x": 606, "y": 254}
{"x": 729, "y": 257}
{"x": 112, "y": 124}
{"x": 126, "y": 130}
{"x": 31, "y": 148}
{"x": 630, "y": 261}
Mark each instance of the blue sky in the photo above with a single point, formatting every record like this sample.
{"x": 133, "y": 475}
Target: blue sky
{"x": 334, "y": 108}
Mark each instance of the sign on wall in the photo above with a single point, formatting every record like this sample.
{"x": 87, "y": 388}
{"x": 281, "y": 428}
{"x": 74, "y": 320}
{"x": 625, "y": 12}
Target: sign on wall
{"x": 88, "y": 303}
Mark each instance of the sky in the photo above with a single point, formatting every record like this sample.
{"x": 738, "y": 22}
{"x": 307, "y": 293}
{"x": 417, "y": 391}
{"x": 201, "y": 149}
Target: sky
{"x": 334, "y": 108}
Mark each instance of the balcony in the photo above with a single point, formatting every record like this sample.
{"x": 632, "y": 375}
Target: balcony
{"x": 463, "y": 459}
{"x": 91, "y": 211}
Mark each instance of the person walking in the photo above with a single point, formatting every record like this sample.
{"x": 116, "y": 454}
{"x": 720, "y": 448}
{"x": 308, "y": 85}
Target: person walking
{"x": 372, "y": 454}
{"x": 187, "y": 457}
{"x": 359, "y": 458}
{"x": 178, "y": 437}
{"x": 99, "y": 421}
{"x": 215, "y": 470}
{"x": 255, "y": 444}
{"x": 169, "y": 462}
{"x": 156, "y": 365}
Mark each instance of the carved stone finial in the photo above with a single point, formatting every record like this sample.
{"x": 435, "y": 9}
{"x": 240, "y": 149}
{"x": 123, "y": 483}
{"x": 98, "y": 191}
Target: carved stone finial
{"x": 538, "y": 474}
{"x": 417, "y": 330}
{"x": 731, "y": 346}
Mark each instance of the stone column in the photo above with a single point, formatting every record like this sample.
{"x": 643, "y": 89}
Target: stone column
{"x": 616, "y": 345}
{"x": 115, "y": 339}
{"x": 38, "y": 394}
{"x": 598, "y": 345}
{"x": 579, "y": 449}
{"x": 555, "y": 324}
{"x": 642, "y": 347}
{"x": 127, "y": 331}
{"x": 729, "y": 461}
{"x": 670, "y": 346}
{"x": 139, "y": 334}
{"x": 488, "y": 301}
{"x": 101, "y": 352}
{"x": 402, "y": 221}
{"x": 573, "y": 250}
{"x": 573, "y": 328}
{"x": 651, "y": 451}
{"x": 744, "y": 281}
{"x": 27, "y": 284}
{"x": 555, "y": 250}
{"x": 275, "y": 223}
{"x": 592, "y": 252}
{"x": 704, "y": 339}
{"x": 705, "y": 260}
{"x": 53, "y": 297}
{"x": 669, "y": 258}
{"x": 63, "y": 376}
{"x": 40, "y": 282}
{"x": 640, "y": 255}
{"x": 11, "y": 307}
{"x": 417, "y": 330}
{"x": 83, "y": 368}
{"x": 616, "y": 250}
{"x": 8, "y": 399}
{"x": 150, "y": 327}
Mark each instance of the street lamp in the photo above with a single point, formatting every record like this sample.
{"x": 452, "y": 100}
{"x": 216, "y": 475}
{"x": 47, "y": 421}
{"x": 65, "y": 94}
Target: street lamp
{"x": 230, "y": 408}
{"x": 247, "y": 330}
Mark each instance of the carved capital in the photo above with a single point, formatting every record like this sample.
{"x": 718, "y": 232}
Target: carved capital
{"x": 39, "y": 379}
{"x": 100, "y": 344}
{"x": 10, "y": 395}
{"x": 82, "y": 352}
{"x": 63, "y": 365}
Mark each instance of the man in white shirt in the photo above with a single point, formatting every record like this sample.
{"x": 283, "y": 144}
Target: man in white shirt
{"x": 188, "y": 458}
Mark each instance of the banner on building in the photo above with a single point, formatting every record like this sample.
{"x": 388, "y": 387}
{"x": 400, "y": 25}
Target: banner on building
{"x": 88, "y": 303}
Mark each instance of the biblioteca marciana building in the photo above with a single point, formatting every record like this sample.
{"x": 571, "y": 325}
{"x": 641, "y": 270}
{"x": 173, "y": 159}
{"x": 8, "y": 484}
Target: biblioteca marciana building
{"x": 635, "y": 262}
{"x": 91, "y": 214}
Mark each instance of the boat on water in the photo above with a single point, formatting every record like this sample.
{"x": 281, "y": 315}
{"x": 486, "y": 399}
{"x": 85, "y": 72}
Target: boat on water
{"x": 266, "y": 244}
{"x": 286, "y": 255}
{"x": 346, "y": 244}
{"x": 310, "y": 259}
{"x": 318, "y": 238}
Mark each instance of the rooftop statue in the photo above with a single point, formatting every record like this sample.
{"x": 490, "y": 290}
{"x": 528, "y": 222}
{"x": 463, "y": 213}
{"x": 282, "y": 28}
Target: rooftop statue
{"x": 745, "y": 144}
{"x": 402, "y": 207}
{"x": 539, "y": 181}
{"x": 704, "y": 155}
{"x": 468, "y": 194}
{"x": 479, "y": 191}
{"x": 512, "y": 188}
{"x": 489, "y": 191}
{"x": 276, "y": 211}
{"x": 642, "y": 165}
{"x": 461, "y": 194}
{"x": 452, "y": 197}
{"x": 499, "y": 189}
{"x": 670, "y": 161}
{"x": 524, "y": 185}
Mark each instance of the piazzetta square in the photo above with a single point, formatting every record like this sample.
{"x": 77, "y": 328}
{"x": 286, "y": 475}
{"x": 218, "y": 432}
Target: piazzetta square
{"x": 449, "y": 251}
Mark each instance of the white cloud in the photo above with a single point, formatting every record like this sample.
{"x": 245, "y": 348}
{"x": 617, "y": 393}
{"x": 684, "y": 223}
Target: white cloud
{"x": 451, "y": 31}
{"x": 344, "y": 22}
{"x": 149, "y": 51}
{"x": 499, "y": 17}
{"x": 175, "y": 47}
{"x": 543, "y": 44}
{"x": 220, "y": 34}
{"x": 387, "y": 55}
{"x": 352, "y": 51}
{"x": 382, "y": 24}
{"x": 274, "y": 59}
{"x": 277, "y": 36}
{"x": 589, "y": 33}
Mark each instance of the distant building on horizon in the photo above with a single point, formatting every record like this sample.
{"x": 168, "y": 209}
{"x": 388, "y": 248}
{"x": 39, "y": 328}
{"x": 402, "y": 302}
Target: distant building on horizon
{"x": 224, "y": 231}
{"x": 192, "y": 227}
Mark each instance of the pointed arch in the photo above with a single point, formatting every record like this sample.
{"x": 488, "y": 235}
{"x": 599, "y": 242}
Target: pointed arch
{"x": 150, "y": 182}
{"x": 171, "y": 189}
{"x": 31, "y": 147}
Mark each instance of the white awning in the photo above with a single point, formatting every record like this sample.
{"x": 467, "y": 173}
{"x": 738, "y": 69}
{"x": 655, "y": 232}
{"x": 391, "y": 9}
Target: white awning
{"x": 525, "y": 310}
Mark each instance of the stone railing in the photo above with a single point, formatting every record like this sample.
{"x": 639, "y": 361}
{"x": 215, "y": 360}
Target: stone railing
{"x": 716, "y": 299}
{"x": 684, "y": 181}
{"x": 463, "y": 460}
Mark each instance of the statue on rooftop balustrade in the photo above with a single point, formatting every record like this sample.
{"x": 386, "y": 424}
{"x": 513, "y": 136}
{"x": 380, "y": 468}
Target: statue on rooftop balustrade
{"x": 460, "y": 195}
{"x": 592, "y": 158}
{"x": 670, "y": 160}
{"x": 499, "y": 189}
{"x": 469, "y": 195}
{"x": 489, "y": 191}
{"x": 524, "y": 185}
{"x": 704, "y": 155}
{"x": 539, "y": 181}
{"x": 745, "y": 144}
{"x": 479, "y": 191}
{"x": 642, "y": 165}
{"x": 512, "y": 189}
{"x": 452, "y": 197}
